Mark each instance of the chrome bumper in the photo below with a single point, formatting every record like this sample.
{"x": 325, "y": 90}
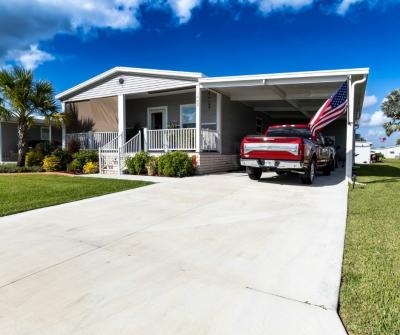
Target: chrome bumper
{"x": 277, "y": 164}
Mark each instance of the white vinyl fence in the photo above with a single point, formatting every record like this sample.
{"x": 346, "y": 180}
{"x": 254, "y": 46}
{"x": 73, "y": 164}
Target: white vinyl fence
{"x": 91, "y": 140}
{"x": 171, "y": 139}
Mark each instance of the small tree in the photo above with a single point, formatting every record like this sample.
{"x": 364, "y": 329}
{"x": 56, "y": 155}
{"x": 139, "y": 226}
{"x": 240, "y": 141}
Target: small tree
{"x": 391, "y": 108}
{"x": 21, "y": 98}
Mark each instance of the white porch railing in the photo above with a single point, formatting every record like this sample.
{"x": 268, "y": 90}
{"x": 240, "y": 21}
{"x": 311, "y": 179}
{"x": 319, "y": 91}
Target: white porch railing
{"x": 209, "y": 140}
{"x": 171, "y": 139}
{"x": 109, "y": 157}
{"x": 112, "y": 157}
{"x": 91, "y": 140}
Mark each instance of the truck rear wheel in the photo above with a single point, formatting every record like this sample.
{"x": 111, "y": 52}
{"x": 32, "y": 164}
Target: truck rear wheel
{"x": 309, "y": 175}
{"x": 327, "y": 169}
{"x": 254, "y": 173}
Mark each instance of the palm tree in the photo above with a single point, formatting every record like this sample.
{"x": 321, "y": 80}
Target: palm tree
{"x": 391, "y": 108}
{"x": 22, "y": 98}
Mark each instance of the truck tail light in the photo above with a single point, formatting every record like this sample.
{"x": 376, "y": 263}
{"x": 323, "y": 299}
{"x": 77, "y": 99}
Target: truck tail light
{"x": 301, "y": 150}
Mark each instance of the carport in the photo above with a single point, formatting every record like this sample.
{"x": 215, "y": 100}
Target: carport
{"x": 293, "y": 98}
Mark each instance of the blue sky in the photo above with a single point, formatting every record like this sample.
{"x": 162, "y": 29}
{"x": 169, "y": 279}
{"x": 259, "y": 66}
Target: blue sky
{"x": 70, "y": 41}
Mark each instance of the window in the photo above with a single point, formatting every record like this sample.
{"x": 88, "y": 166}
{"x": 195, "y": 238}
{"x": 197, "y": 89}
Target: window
{"x": 289, "y": 132}
{"x": 44, "y": 133}
{"x": 259, "y": 125}
{"x": 188, "y": 116}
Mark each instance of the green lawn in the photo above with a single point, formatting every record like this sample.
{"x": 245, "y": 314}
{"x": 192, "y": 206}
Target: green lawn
{"x": 370, "y": 290}
{"x": 22, "y": 192}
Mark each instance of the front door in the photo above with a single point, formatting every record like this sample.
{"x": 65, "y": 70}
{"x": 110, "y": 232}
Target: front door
{"x": 156, "y": 117}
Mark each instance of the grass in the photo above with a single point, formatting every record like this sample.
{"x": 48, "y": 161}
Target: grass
{"x": 370, "y": 290}
{"x": 22, "y": 192}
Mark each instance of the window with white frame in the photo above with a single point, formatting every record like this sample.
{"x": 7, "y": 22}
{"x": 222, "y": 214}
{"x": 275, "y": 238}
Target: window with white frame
{"x": 188, "y": 116}
{"x": 44, "y": 133}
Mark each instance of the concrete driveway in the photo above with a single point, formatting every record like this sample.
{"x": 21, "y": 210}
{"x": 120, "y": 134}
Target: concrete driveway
{"x": 216, "y": 254}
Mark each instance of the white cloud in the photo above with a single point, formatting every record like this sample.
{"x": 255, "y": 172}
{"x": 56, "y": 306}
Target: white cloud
{"x": 376, "y": 119}
{"x": 344, "y": 6}
{"x": 27, "y": 22}
{"x": 32, "y": 58}
{"x": 267, "y": 6}
{"x": 370, "y": 100}
{"x": 183, "y": 8}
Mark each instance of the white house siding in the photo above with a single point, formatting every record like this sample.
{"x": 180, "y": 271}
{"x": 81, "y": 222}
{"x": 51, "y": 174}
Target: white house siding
{"x": 389, "y": 152}
{"x": 132, "y": 84}
{"x": 362, "y": 152}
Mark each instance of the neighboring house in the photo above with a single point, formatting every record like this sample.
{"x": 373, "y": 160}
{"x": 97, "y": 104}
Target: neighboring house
{"x": 204, "y": 116}
{"x": 363, "y": 152}
{"x": 389, "y": 152}
{"x": 38, "y": 132}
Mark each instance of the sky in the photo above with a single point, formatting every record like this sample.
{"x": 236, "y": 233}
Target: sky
{"x": 68, "y": 42}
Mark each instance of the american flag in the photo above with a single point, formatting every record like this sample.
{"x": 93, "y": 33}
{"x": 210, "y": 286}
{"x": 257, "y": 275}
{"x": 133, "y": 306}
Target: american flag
{"x": 332, "y": 109}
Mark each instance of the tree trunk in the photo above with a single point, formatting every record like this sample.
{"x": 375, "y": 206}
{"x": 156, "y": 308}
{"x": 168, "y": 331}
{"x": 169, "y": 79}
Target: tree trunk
{"x": 22, "y": 138}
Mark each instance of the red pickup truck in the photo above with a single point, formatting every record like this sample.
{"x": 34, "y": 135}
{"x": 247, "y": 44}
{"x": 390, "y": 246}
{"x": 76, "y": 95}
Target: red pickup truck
{"x": 287, "y": 148}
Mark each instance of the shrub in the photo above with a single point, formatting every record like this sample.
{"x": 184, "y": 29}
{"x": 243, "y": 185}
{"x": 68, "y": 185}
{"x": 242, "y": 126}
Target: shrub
{"x": 33, "y": 158}
{"x": 52, "y": 163}
{"x": 151, "y": 166}
{"x": 91, "y": 167}
{"x": 13, "y": 168}
{"x": 85, "y": 156}
{"x": 73, "y": 146}
{"x": 74, "y": 166}
{"x": 65, "y": 157}
{"x": 176, "y": 164}
{"x": 137, "y": 163}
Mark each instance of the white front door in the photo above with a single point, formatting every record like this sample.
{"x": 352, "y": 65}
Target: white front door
{"x": 157, "y": 117}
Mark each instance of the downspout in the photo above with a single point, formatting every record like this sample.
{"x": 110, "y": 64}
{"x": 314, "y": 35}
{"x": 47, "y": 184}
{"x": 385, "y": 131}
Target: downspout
{"x": 350, "y": 124}
{"x": 353, "y": 85}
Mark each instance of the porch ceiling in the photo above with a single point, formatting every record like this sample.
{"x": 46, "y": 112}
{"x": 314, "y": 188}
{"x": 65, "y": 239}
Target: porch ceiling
{"x": 289, "y": 94}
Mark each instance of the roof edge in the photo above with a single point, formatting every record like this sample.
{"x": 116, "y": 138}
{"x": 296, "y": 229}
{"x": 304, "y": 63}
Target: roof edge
{"x": 129, "y": 70}
{"x": 319, "y": 73}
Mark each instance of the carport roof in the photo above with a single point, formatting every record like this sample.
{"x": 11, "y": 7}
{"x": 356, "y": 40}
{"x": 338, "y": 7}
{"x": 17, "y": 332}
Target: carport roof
{"x": 302, "y": 92}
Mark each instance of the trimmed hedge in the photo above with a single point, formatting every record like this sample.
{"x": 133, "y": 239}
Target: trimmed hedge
{"x": 13, "y": 168}
{"x": 137, "y": 163}
{"x": 34, "y": 158}
{"x": 52, "y": 163}
{"x": 81, "y": 158}
{"x": 175, "y": 164}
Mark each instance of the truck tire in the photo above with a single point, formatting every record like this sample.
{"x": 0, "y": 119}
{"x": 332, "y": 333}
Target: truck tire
{"x": 308, "y": 177}
{"x": 333, "y": 164}
{"x": 254, "y": 173}
{"x": 327, "y": 169}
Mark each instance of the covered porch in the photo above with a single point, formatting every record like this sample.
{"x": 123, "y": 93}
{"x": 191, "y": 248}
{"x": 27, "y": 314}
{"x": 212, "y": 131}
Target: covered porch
{"x": 184, "y": 119}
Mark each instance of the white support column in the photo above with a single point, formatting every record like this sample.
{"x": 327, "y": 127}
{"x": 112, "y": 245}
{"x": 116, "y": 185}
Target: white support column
{"x": 145, "y": 139}
{"x": 63, "y": 129}
{"x": 349, "y": 132}
{"x": 63, "y": 136}
{"x": 198, "y": 118}
{"x": 121, "y": 119}
{"x": 219, "y": 121}
{"x": 1, "y": 145}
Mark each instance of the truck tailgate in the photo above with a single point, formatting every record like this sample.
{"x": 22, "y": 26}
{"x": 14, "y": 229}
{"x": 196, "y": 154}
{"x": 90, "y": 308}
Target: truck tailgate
{"x": 274, "y": 148}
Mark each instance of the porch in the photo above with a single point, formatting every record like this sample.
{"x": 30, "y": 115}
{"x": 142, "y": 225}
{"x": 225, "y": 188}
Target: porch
{"x": 151, "y": 140}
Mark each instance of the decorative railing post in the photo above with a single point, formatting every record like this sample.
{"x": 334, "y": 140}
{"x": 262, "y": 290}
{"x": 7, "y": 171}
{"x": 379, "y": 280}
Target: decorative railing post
{"x": 145, "y": 139}
{"x": 90, "y": 140}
